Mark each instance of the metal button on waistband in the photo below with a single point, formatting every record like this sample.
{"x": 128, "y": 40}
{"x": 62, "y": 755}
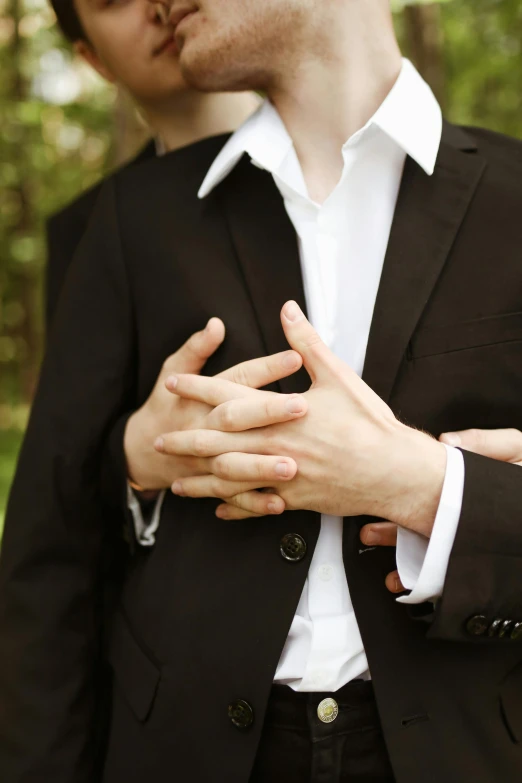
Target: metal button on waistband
{"x": 327, "y": 711}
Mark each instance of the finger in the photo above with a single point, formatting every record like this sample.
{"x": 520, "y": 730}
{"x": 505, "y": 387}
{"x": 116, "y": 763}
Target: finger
{"x": 264, "y": 470}
{"x": 393, "y": 583}
{"x": 227, "y": 511}
{"x": 204, "y": 443}
{"x": 255, "y": 503}
{"x": 211, "y": 487}
{"x": 504, "y": 445}
{"x": 246, "y": 413}
{"x": 193, "y": 354}
{"x": 318, "y": 360}
{"x": 379, "y": 534}
{"x": 265, "y": 370}
{"x": 213, "y": 391}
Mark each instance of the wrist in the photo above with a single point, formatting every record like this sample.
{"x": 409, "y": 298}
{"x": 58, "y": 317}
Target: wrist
{"x": 141, "y": 492}
{"x": 139, "y": 453}
{"x": 419, "y": 468}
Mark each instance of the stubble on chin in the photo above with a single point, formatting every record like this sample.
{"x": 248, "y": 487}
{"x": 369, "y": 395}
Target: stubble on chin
{"x": 249, "y": 55}
{"x": 222, "y": 67}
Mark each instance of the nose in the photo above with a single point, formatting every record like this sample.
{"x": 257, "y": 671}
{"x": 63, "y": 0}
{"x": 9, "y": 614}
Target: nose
{"x": 158, "y": 12}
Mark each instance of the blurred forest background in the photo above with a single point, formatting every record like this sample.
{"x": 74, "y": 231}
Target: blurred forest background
{"x": 62, "y": 128}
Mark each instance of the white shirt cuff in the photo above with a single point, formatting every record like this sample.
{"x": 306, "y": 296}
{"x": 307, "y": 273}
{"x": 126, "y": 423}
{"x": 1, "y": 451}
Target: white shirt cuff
{"x": 145, "y": 532}
{"x": 421, "y": 562}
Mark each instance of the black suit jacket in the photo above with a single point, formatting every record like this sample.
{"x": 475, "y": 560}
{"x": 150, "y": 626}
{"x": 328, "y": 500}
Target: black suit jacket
{"x": 65, "y": 230}
{"x": 203, "y": 615}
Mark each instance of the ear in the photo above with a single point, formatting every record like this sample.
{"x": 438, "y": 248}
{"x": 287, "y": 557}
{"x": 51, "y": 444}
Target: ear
{"x": 87, "y": 53}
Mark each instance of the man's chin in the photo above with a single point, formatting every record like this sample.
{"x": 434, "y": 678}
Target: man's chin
{"x": 196, "y": 68}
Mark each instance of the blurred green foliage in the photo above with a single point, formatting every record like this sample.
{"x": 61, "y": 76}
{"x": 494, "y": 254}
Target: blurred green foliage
{"x": 10, "y": 441}
{"x": 57, "y": 130}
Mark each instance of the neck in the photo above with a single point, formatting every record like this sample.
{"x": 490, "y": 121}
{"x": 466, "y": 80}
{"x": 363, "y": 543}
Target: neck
{"x": 325, "y": 97}
{"x": 191, "y": 116}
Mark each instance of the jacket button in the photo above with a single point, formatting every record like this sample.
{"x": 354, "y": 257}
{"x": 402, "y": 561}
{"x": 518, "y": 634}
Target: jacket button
{"x": 516, "y": 632}
{"x": 292, "y": 547}
{"x": 504, "y": 628}
{"x": 494, "y": 627}
{"x": 241, "y": 714}
{"x": 477, "y": 625}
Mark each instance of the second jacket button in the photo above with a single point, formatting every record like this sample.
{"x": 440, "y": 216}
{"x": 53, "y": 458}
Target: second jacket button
{"x": 241, "y": 714}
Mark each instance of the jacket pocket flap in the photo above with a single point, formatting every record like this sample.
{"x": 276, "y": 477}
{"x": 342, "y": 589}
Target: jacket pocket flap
{"x": 134, "y": 671}
{"x": 467, "y": 334}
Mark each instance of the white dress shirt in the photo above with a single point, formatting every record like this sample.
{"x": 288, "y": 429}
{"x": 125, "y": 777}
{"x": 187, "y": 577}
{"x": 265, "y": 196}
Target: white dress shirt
{"x": 342, "y": 245}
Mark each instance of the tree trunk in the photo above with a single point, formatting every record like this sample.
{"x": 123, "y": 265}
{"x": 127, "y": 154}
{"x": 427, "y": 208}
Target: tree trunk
{"x": 24, "y": 278}
{"x": 425, "y": 43}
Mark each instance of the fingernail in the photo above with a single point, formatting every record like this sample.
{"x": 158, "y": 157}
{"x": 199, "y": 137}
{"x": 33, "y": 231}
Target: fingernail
{"x": 292, "y": 311}
{"x": 159, "y": 444}
{"x": 294, "y": 405}
{"x": 172, "y": 382}
{"x": 282, "y": 469}
{"x": 452, "y": 439}
{"x": 273, "y": 507}
{"x": 372, "y": 538}
{"x": 177, "y": 488}
{"x": 222, "y": 513}
{"x": 290, "y": 361}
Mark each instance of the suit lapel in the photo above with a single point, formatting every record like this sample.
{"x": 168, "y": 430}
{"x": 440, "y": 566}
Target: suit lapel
{"x": 427, "y": 218}
{"x": 268, "y": 255}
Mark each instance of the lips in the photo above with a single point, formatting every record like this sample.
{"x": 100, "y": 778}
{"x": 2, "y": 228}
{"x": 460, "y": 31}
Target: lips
{"x": 166, "y": 44}
{"x": 178, "y": 14}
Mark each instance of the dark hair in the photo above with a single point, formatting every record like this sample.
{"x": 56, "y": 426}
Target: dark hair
{"x": 68, "y": 20}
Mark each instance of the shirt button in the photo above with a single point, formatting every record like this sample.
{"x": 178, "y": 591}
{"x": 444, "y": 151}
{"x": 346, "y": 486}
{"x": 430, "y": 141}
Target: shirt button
{"x": 325, "y": 572}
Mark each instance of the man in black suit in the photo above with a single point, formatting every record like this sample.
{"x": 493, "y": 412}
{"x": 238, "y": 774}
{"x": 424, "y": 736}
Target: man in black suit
{"x": 202, "y": 630}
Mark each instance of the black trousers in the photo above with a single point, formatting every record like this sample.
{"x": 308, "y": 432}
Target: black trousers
{"x": 298, "y": 747}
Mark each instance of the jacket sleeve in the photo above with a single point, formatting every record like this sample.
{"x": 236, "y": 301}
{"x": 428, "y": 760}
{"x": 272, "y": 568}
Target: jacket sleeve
{"x": 482, "y": 597}
{"x": 52, "y": 552}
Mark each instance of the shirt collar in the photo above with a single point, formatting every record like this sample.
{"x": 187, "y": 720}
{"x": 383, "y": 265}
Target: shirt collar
{"x": 409, "y": 115}
{"x": 160, "y": 146}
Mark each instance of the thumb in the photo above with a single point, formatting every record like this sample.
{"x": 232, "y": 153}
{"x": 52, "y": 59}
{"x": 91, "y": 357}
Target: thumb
{"x": 504, "y": 445}
{"x": 303, "y": 338}
{"x": 193, "y": 354}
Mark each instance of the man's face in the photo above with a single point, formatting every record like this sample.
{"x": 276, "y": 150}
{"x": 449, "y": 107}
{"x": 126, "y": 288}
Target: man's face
{"x": 238, "y": 44}
{"x": 129, "y": 44}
